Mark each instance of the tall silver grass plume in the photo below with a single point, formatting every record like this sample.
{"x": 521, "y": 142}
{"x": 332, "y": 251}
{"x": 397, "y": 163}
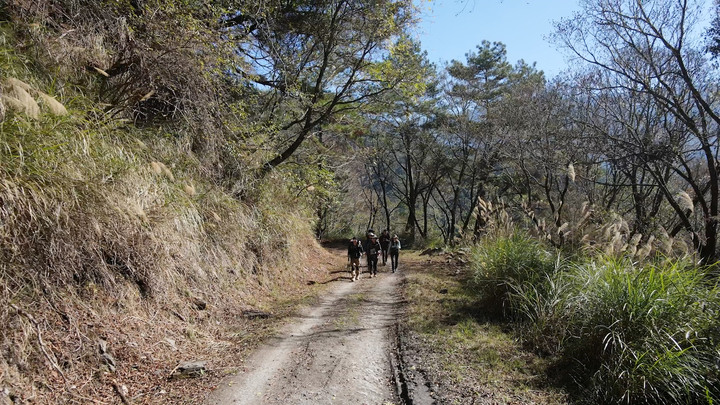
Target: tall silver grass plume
{"x": 629, "y": 249}
{"x": 584, "y": 218}
{"x": 564, "y": 227}
{"x": 2, "y": 109}
{"x": 666, "y": 242}
{"x": 19, "y": 99}
{"x": 102, "y": 72}
{"x": 482, "y": 204}
{"x": 12, "y": 103}
{"x": 685, "y": 201}
{"x": 138, "y": 211}
{"x": 616, "y": 243}
{"x": 571, "y": 172}
{"x": 609, "y": 231}
{"x": 32, "y": 109}
{"x": 609, "y": 249}
{"x": 55, "y": 107}
{"x": 14, "y": 82}
{"x": 584, "y": 207}
{"x": 632, "y": 245}
{"x": 156, "y": 167}
{"x": 504, "y": 216}
{"x": 645, "y": 250}
{"x": 624, "y": 227}
{"x": 168, "y": 173}
{"x": 165, "y": 171}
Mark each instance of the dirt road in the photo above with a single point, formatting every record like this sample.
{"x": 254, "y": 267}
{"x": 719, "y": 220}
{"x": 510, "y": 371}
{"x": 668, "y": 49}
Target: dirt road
{"x": 339, "y": 352}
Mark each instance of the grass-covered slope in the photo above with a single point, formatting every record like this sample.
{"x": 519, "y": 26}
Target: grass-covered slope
{"x": 122, "y": 252}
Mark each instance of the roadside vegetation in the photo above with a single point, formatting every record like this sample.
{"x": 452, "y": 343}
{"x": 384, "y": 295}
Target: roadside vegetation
{"x": 523, "y": 322}
{"x": 466, "y": 353}
{"x": 144, "y": 221}
{"x": 618, "y": 330}
{"x": 114, "y": 235}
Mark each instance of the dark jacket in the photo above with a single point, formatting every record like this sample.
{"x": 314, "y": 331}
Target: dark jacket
{"x": 373, "y": 250}
{"x": 385, "y": 240}
{"x": 355, "y": 251}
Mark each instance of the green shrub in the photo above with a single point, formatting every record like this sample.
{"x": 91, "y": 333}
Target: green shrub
{"x": 644, "y": 334}
{"x": 622, "y": 332}
{"x": 544, "y": 310}
{"x": 503, "y": 263}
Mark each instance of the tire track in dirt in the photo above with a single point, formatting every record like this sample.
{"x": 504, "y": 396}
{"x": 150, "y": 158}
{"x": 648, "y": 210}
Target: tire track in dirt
{"x": 338, "y": 352}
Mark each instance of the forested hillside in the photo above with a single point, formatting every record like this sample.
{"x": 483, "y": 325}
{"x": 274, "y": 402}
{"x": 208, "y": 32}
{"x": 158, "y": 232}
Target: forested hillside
{"x": 167, "y": 165}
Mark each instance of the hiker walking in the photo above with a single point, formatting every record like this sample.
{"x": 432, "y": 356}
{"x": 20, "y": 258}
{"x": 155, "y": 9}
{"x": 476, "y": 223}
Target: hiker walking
{"x": 367, "y": 236}
{"x": 373, "y": 250}
{"x": 355, "y": 250}
{"x": 394, "y": 252}
{"x": 385, "y": 245}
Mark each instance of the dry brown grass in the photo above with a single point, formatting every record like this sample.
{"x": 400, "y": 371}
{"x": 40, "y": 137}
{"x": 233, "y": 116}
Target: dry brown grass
{"x": 112, "y": 233}
{"x": 101, "y": 271}
{"x": 94, "y": 244}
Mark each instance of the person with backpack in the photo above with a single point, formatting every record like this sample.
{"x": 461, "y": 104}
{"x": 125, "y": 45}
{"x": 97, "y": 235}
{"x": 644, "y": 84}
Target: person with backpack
{"x": 373, "y": 250}
{"x": 355, "y": 251}
{"x": 394, "y": 252}
{"x": 385, "y": 245}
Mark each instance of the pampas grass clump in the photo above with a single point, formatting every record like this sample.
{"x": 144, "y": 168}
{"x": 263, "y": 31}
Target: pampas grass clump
{"x": 623, "y": 332}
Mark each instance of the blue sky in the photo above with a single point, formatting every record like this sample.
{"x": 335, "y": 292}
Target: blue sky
{"x": 451, "y": 28}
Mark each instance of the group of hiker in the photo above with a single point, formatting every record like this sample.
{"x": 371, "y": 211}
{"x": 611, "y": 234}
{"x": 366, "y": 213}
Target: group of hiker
{"x": 373, "y": 249}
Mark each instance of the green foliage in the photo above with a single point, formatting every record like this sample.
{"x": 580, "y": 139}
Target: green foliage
{"x": 645, "y": 334}
{"x": 625, "y": 333}
{"x": 405, "y": 67}
{"x": 501, "y": 263}
{"x": 544, "y": 309}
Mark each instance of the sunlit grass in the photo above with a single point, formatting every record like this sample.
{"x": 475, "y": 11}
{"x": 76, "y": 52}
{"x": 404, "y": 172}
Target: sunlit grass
{"x": 471, "y": 351}
{"x": 623, "y": 332}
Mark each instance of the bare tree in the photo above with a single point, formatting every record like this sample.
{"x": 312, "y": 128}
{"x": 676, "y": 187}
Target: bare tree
{"x": 649, "y": 47}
